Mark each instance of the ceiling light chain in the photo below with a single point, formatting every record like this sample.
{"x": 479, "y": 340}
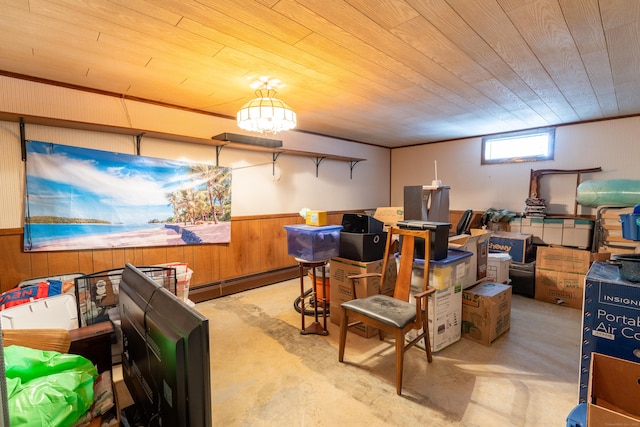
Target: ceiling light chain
{"x": 266, "y": 113}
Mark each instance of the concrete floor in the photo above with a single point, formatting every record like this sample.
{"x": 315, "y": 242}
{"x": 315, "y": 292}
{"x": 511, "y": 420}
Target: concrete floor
{"x": 265, "y": 373}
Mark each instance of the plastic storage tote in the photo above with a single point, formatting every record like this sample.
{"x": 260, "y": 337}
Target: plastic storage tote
{"x": 311, "y": 243}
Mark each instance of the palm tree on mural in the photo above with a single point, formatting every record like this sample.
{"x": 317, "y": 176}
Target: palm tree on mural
{"x": 202, "y": 206}
{"x": 208, "y": 174}
{"x": 187, "y": 204}
{"x": 222, "y": 189}
{"x": 174, "y": 200}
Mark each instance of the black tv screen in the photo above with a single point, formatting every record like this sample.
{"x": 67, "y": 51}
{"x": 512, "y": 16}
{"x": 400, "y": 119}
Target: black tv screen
{"x": 165, "y": 356}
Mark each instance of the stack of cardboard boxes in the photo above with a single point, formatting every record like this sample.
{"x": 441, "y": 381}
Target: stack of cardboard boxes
{"x": 560, "y": 274}
{"x": 486, "y": 306}
{"x": 362, "y": 245}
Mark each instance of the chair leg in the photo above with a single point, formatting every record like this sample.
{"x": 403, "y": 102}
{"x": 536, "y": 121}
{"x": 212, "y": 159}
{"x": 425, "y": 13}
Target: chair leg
{"x": 427, "y": 340}
{"x": 343, "y": 334}
{"x": 399, "y": 360}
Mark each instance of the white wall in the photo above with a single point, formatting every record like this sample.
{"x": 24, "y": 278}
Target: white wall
{"x": 612, "y": 145}
{"x": 255, "y": 189}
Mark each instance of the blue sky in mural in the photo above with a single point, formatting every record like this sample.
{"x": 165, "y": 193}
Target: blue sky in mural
{"x": 114, "y": 187}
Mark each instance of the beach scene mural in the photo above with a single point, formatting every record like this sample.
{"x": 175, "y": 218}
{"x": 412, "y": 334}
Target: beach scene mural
{"x": 79, "y": 198}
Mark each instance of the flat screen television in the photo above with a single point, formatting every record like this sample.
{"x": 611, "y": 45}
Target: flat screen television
{"x": 165, "y": 356}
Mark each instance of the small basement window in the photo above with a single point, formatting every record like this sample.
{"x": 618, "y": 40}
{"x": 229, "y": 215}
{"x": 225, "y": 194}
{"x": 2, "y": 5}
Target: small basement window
{"x": 514, "y": 147}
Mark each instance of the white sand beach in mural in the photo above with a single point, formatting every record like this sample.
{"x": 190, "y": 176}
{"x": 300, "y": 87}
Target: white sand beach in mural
{"x": 160, "y": 236}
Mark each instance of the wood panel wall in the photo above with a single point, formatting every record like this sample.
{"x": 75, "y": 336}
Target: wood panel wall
{"x": 257, "y": 255}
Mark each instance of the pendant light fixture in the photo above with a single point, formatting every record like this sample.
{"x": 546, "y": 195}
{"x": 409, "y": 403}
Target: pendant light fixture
{"x": 266, "y": 113}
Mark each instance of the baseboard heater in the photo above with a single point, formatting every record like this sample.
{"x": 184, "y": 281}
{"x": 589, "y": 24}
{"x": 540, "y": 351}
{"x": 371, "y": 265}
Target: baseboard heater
{"x": 238, "y": 284}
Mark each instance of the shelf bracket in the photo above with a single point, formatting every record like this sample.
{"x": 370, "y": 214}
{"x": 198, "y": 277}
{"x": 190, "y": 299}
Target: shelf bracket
{"x": 317, "y": 161}
{"x": 23, "y": 141}
{"x": 138, "y": 140}
{"x": 275, "y": 157}
{"x": 352, "y": 164}
{"x": 218, "y": 150}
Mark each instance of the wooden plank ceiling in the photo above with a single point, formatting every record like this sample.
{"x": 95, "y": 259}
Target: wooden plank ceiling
{"x": 386, "y": 72}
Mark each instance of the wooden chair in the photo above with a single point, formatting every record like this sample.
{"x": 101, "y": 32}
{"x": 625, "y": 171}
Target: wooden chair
{"x": 395, "y": 314}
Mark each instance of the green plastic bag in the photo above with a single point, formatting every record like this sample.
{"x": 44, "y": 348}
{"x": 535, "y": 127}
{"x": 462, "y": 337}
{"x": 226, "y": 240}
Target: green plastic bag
{"x": 47, "y": 388}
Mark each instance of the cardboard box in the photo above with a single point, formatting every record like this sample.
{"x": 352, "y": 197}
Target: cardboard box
{"x": 559, "y": 287}
{"x": 614, "y": 392}
{"x": 610, "y": 321}
{"x": 340, "y": 291}
{"x": 478, "y": 244}
{"x": 448, "y": 277}
{"x": 577, "y": 233}
{"x": 498, "y": 226}
{"x": 486, "y": 312}
{"x": 552, "y": 231}
{"x": 568, "y": 260}
{"x": 560, "y": 274}
{"x": 533, "y": 226}
{"x": 389, "y": 215}
{"x": 316, "y": 218}
{"x": 518, "y": 245}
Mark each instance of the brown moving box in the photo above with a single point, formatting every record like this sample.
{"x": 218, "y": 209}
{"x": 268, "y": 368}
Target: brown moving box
{"x": 478, "y": 244}
{"x": 560, "y": 274}
{"x": 486, "y": 312}
{"x": 614, "y": 392}
{"x": 389, "y": 215}
{"x": 569, "y": 260}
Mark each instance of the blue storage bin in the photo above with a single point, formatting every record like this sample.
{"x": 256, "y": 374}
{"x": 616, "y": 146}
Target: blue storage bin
{"x": 631, "y": 224}
{"x": 578, "y": 416}
{"x": 311, "y": 243}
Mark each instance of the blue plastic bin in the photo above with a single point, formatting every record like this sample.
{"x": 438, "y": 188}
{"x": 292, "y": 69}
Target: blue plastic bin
{"x": 631, "y": 224}
{"x": 578, "y": 416}
{"x": 311, "y": 243}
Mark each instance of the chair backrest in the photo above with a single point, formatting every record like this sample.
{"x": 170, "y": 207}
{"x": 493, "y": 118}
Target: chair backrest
{"x": 465, "y": 221}
{"x": 410, "y": 238}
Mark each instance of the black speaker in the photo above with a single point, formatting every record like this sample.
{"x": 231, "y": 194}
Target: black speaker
{"x": 358, "y": 223}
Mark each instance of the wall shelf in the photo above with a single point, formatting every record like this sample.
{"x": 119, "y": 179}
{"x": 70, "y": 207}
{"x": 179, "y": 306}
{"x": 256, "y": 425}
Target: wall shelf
{"x": 277, "y": 151}
{"x": 139, "y": 134}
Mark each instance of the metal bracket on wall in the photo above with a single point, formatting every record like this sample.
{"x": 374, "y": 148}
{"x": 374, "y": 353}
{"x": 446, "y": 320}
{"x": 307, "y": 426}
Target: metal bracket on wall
{"x": 273, "y": 165}
{"x": 352, "y": 164}
{"x": 138, "y": 140}
{"x": 317, "y": 161}
{"x": 23, "y": 141}
{"x": 218, "y": 150}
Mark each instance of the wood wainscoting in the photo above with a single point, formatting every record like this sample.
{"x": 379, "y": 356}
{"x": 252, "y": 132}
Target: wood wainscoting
{"x": 256, "y": 256}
